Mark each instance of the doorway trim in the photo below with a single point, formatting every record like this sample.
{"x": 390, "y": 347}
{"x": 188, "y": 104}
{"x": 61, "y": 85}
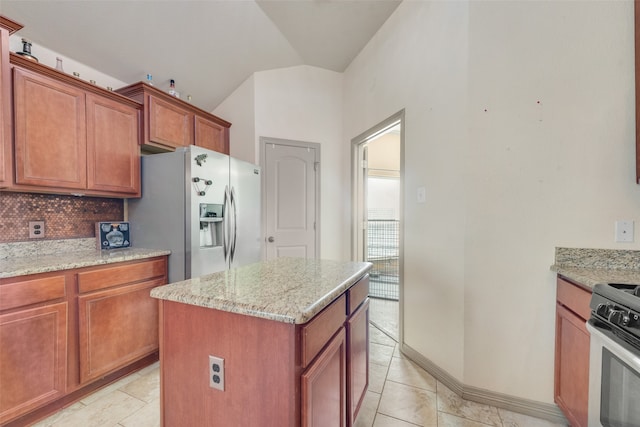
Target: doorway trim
{"x": 264, "y": 140}
{"x": 357, "y": 208}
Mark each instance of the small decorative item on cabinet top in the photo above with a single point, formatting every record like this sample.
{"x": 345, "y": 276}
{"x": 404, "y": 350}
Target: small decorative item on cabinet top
{"x": 26, "y": 50}
{"x": 112, "y": 235}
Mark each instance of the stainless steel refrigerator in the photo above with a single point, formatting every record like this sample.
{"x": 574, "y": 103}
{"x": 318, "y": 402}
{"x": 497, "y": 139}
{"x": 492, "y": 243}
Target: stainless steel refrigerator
{"x": 202, "y": 205}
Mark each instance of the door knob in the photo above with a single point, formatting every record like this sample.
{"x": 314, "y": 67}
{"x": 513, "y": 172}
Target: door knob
{"x": 271, "y": 239}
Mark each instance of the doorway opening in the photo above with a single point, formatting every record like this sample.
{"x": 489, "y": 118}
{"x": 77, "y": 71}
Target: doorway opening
{"x": 377, "y": 224}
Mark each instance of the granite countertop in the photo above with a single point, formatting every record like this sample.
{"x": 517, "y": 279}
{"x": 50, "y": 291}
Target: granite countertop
{"x": 289, "y": 290}
{"x": 24, "y": 258}
{"x": 590, "y": 267}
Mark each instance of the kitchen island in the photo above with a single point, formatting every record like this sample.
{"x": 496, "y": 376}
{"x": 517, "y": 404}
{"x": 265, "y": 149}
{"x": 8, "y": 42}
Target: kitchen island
{"x": 291, "y": 338}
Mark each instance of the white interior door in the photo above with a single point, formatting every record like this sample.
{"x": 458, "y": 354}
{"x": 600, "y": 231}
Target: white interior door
{"x": 291, "y": 198}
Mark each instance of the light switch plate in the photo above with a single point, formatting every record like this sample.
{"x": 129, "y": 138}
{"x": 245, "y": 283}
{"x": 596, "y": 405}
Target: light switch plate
{"x": 624, "y": 231}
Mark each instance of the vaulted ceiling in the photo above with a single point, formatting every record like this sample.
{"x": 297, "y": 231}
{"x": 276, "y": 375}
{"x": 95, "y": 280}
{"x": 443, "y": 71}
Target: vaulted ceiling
{"x": 209, "y": 46}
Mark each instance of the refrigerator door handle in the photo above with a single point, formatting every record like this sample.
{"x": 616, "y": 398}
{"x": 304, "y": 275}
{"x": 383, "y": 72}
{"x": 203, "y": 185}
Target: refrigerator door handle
{"x": 225, "y": 224}
{"x": 235, "y": 224}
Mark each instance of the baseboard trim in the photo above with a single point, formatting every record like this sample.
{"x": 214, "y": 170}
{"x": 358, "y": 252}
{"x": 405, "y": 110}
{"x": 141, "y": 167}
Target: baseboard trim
{"x": 532, "y": 408}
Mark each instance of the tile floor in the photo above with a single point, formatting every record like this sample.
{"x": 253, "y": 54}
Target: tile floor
{"x": 400, "y": 395}
{"x": 385, "y": 314}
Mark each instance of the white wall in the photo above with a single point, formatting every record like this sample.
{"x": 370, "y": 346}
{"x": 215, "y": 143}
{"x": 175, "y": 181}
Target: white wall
{"x": 301, "y": 103}
{"x": 505, "y": 185}
{"x": 239, "y": 109}
{"x": 417, "y": 61}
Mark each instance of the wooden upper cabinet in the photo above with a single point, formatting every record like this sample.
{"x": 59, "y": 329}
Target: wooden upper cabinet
{"x": 7, "y": 27}
{"x": 170, "y": 122}
{"x": 72, "y": 137}
{"x": 113, "y": 153}
{"x": 50, "y": 132}
{"x": 211, "y": 135}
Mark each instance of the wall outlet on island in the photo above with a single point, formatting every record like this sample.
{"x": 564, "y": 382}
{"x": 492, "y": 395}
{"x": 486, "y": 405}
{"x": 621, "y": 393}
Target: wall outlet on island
{"x": 216, "y": 373}
{"x": 624, "y": 231}
{"x": 36, "y": 229}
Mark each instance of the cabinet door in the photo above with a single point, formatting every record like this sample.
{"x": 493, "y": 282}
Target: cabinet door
{"x": 5, "y": 107}
{"x": 50, "y": 132}
{"x": 572, "y": 366}
{"x": 117, "y": 326}
{"x": 324, "y": 401}
{"x": 113, "y": 152}
{"x": 211, "y": 135}
{"x": 33, "y": 358}
{"x": 357, "y": 359}
{"x": 169, "y": 124}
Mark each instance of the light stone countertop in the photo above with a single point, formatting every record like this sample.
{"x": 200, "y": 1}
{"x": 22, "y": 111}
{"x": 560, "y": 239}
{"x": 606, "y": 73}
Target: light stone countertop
{"x": 590, "y": 267}
{"x": 35, "y": 263}
{"x": 289, "y": 290}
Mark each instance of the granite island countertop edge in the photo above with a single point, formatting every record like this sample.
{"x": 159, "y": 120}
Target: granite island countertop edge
{"x": 283, "y": 290}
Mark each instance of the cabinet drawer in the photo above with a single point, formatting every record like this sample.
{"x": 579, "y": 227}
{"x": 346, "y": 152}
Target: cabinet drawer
{"x": 13, "y": 295}
{"x": 118, "y": 275}
{"x": 318, "y": 331}
{"x": 358, "y": 293}
{"x": 574, "y": 298}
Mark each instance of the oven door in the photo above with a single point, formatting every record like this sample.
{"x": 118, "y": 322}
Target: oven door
{"x": 614, "y": 380}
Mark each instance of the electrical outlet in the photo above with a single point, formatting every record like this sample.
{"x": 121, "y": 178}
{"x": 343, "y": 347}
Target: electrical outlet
{"x": 624, "y": 231}
{"x": 216, "y": 373}
{"x": 36, "y": 229}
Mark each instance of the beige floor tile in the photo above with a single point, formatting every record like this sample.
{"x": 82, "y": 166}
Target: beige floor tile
{"x": 453, "y": 404}
{"x": 513, "y": 419}
{"x": 105, "y": 391}
{"x": 379, "y": 337}
{"x": 60, "y": 414}
{"x": 409, "y": 404}
{"x": 147, "y": 416}
{"x": 448, "y": 420}
{"x": 145, "y": 388}
{"x": 377, "y": 376}
{"x": 385, "y": 314}
{"x": 384, "y": 421}
{"x": 105, "y": 412}
{"x": 406, "y": 372}
{"x": 380, "y": 354}
{"x": 368, "y": 410}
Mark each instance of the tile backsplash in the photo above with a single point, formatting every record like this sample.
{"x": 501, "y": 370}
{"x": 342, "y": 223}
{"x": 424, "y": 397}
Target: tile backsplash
{"x": 65, "y": 217}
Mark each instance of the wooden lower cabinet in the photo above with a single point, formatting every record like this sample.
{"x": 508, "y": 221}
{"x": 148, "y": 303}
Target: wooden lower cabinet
{"x": 324, "y": 400}
{"x": 358, "y": 361}
{"x": 104, "y": 348}
{"x": 571, "y": 390}
{"x": 33, "y": 370}
{"x": 66, "y": 333}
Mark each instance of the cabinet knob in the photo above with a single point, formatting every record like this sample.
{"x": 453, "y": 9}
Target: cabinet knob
{"x": 270, "y": 239}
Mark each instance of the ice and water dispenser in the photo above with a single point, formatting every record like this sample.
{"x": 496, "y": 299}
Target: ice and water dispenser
{"x": 211, "y": 216}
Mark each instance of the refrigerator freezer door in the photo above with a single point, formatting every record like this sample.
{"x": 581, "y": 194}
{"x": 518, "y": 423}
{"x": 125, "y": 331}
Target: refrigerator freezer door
{"x": 208, "y": 175}
{"x": 158, "y": 219}
{"x": 245, "y": 185}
